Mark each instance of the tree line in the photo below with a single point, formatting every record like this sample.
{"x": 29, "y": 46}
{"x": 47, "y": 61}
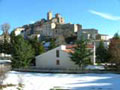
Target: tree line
{"x": 23, "y": 51}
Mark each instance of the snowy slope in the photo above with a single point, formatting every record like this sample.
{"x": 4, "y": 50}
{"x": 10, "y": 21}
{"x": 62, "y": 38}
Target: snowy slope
{"x": 40, "y": 81}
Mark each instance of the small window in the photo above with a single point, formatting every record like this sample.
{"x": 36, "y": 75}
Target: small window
{"x": 57, "y": 62}
{"x": 57, "y": 53}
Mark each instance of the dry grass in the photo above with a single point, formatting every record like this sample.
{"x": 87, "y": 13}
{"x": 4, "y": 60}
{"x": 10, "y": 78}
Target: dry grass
{"x": 5, "y": 86}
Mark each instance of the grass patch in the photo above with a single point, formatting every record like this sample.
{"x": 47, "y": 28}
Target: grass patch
{"x": 58, "y": 88}
{"x": 5, "y": 86}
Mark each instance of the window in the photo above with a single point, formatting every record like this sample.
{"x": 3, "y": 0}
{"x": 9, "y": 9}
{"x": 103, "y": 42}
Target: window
{"x": 57, "y": 62}
{"x": 57, "y": 53}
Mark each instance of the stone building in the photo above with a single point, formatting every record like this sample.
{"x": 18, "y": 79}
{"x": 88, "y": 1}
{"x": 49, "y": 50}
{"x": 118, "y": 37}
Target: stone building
{"x": 87, "y": 34}
{"x": 102, "y": 37}
{"x": 93, "y": 36}
{"x": 53, "y": 27}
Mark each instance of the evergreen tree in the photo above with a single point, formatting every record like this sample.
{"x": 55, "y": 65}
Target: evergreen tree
{"x": 116, "y": 36}
{"x": 38, "y": 46}
{"x": 40, "y": 49}
{"x": 6, "y": 47}
{"x": 52, "y": 44}
{"x": 22, "y": 52}
{"x": 1, "y": 47}
{"x": 81, "y": 55}
{"x": 102, "y": 53}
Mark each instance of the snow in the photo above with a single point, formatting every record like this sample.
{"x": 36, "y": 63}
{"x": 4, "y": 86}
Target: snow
{"x": 95, "y": 67}
{"x": 46, "y": 81}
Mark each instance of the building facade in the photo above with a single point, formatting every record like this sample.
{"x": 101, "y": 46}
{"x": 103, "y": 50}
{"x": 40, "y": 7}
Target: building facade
{"x": 87, "y": 34}
{"x": 19, "y": 31}
{"x": 52, "y": 27}
{"x": 58, "y": 58}
{"x": 93, "y": 36}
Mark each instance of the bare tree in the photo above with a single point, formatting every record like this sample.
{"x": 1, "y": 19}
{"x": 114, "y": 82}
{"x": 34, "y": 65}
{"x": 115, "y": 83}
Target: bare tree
{"x": 5, "y": 37}
{"x": 5, "y": 28}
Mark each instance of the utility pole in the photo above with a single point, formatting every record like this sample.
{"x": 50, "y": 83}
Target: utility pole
{"x": 94, "y": 50}
{"x": 94, "y": 53}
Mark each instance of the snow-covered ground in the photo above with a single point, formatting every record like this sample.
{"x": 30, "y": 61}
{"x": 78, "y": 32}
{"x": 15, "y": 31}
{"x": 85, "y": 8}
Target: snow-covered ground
{"x": 46, "y": 81}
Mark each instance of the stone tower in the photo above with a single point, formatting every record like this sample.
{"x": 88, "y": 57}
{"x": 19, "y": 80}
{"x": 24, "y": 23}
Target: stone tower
{"x": 57, "y": 15}
{"x": 49, "y": 15}
{"x": 59, "y": 18}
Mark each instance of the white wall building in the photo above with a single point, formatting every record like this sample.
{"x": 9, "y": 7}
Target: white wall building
{"x": 58, "y": 58}
{"x": 18, "y": 31}
{"x": 102, "y": 37}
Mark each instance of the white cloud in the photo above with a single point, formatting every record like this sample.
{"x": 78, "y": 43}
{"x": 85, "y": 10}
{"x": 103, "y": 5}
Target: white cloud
{"x": 105, "y": 15}
{"x": 32, "y": 22}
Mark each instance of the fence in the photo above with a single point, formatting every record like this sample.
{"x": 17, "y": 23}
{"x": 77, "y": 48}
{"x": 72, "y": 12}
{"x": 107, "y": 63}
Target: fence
{"x": 71, "y": 71}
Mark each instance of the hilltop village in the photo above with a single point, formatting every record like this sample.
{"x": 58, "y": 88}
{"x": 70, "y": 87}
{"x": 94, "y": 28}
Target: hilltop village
{"x": 55, "y": 27}
{"x": 75, "y": 46}
{"x": 56, "y": 39}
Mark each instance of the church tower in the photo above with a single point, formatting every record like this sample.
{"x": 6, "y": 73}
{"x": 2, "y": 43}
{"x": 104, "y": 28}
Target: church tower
{"x": 49, "y": 15}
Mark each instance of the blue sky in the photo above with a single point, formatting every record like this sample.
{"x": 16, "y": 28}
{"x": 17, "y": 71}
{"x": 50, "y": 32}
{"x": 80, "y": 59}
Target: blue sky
{"x": 103, "y": 15}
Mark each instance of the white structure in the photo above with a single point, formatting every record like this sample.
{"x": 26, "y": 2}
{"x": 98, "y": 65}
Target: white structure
{"x": 58, "y": 58}
{"x": 18, "y": 31}
{"x": 4, "y": 56}
{"x": 102, "y": 37}
{"x": 49, "y": 15}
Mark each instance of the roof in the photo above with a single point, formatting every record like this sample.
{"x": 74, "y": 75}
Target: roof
{"x": 103, "y": 34}
{"x": 70, "y": 48}
{"x": 69, "y": 51}
{"x": 73, "y": 46}
{"x": 66, "y": 48}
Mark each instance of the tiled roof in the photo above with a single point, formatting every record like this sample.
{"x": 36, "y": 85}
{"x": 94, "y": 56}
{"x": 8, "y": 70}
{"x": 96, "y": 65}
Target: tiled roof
{"x": 73, "y": 46}
{"x": 70, "y": 48}
{"x": 69, "y": 51}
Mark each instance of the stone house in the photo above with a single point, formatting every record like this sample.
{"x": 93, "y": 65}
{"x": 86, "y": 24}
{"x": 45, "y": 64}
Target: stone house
{"x": 87, "y": 34}
{"x": 93, "y": 36}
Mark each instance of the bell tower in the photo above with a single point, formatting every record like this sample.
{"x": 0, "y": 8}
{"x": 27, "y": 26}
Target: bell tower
{"x": 49, "y": 15}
